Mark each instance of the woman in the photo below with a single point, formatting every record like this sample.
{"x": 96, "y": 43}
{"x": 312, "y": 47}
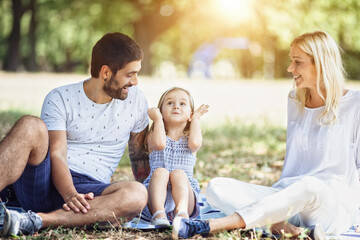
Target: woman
{"x": 319, "y": 185}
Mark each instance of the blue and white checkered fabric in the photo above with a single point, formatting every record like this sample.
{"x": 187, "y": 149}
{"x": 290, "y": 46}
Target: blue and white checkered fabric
{"x": 206, "y": 212}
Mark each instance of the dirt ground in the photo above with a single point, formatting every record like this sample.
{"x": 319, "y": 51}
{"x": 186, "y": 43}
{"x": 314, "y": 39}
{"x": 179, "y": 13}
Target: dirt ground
{"x": 247, "y": 100}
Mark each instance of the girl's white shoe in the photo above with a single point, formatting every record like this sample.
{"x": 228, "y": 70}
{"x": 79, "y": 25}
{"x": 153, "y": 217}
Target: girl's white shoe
{"x": 161, "y": 221}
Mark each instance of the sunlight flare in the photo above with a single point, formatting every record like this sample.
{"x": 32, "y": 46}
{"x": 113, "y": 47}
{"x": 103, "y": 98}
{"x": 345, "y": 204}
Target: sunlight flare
{"x": 234, "y": 10}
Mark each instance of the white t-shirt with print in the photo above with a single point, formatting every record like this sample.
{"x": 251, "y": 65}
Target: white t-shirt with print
{"x": 97, "y": 134}
{"x": 329, "y": 152}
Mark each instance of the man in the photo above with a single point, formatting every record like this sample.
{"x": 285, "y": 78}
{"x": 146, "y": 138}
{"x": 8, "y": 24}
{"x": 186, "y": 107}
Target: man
{"x": 60, "y": 166}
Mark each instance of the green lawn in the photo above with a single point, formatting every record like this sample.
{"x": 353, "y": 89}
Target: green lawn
{"x": 251, "y": 152}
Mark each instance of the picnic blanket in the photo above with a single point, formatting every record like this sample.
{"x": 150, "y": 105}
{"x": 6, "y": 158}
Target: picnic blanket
{"x": 206, "y": 212}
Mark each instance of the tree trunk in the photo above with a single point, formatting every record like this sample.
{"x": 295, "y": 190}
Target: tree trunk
{"x": 32, "y": 64}
{"x": 152, "y": 24}
{"x": 11, "y": 61}
{"x": 144, "y": 38}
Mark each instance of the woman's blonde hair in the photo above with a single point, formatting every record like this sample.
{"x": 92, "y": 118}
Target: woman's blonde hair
{"x": 161, "y": 102}
{"x": 330, "y": 78}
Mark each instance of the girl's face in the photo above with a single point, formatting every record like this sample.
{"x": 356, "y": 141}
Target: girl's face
{"x": 176, "y": 107}
{"x": 302, "y": 68}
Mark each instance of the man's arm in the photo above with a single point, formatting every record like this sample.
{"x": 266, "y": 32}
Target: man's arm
{"x": 61, "y": 176}
{"x": 138, "y": 155}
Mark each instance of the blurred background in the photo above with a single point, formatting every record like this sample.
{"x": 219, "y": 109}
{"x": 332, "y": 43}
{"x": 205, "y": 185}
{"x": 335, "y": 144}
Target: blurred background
{"x": 209, "y": 39}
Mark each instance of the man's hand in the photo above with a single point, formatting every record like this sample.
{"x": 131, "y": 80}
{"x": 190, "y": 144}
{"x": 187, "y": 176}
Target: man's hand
{"x": 77, "y": 202}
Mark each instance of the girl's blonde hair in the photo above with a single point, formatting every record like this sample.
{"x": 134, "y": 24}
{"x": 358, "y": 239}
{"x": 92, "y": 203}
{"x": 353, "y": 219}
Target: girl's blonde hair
{"x": 161, "y": 102}
{"x": 330, "y": 78}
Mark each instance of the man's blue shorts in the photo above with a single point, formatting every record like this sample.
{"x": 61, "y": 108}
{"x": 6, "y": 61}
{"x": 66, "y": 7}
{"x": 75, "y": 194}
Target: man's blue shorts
{"x": 35, "y": 190}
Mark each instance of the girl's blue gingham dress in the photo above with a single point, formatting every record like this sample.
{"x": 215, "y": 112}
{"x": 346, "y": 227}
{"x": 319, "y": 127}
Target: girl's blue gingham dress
{"x": 176, "y": 155}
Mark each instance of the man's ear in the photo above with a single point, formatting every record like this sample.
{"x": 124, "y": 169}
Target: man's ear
{"x": 105, "y": 72}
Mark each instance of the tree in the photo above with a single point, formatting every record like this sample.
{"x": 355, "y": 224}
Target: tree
{"x": 154, "y": 20}
{"x": 32, "y": 63}
{"x": 13, "y": 56}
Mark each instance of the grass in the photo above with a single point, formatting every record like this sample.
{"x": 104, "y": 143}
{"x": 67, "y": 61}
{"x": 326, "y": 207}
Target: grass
{"x": 251, "y": 152}
{"x": 7, "y": 120}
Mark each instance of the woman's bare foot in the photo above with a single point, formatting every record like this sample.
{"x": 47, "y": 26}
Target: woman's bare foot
{"x": 285, "y": 228}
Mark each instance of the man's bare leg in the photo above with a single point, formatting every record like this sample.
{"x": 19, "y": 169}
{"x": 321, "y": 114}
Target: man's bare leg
{"x": 122, "y": 199}
{"x": 27, "y": 142}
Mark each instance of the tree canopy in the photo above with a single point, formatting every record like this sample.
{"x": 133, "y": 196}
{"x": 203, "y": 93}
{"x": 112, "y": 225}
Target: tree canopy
{"x": 249, "y": 37}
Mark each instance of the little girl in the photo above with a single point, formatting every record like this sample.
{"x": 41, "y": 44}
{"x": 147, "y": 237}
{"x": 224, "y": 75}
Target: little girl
{"x": 172, "y": 142}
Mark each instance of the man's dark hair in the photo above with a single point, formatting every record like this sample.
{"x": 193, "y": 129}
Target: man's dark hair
{"x": 114, "y": 50}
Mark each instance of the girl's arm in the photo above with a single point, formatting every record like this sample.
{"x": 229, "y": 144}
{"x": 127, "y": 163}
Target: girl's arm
{"x": 195, "y": 136}
{"x": 157, "y": 137}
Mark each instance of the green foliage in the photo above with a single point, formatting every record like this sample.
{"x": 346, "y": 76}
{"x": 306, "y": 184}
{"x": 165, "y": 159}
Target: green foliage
{"x": 7, "y": 120}
{"x": 5, "y": 26}
{"x": 67, "y": 30}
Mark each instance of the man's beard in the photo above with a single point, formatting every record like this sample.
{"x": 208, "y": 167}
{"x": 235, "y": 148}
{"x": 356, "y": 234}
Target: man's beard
{"x": 117, "y": 92}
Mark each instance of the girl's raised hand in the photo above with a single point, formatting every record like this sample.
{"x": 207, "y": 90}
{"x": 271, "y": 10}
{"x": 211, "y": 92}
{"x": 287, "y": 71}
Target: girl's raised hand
{"x": 199, "y": 112}
{"x": 154, "y": 114}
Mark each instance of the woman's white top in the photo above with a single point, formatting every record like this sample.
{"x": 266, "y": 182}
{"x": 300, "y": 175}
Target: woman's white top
{"x": 330, "y": 153}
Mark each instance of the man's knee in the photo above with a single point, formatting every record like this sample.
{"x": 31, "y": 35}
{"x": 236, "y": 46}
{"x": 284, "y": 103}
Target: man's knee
{"x": 137, "y": 194}
{"x": 32, "y": 127}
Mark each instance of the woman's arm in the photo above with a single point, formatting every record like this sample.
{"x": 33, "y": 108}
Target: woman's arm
{"x": 195, "y": 136}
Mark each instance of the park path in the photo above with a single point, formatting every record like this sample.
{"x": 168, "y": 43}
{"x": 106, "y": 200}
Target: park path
{"x": 246, "y": 100}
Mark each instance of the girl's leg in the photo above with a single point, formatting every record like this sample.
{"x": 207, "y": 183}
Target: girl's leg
{"x": 157, "y": 190}
{"x": 182, "y": 192}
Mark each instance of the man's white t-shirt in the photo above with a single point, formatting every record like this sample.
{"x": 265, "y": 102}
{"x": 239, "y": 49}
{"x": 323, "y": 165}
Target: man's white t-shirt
{"x": 329, "y": 152}
{"x": 97, "y": 134}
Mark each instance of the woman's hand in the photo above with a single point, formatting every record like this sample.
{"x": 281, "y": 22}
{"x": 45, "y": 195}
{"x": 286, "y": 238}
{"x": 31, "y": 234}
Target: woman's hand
{"x": 154, "y": 114}
{"x": 77, "y": 202}
{"x": 199, "y": 112}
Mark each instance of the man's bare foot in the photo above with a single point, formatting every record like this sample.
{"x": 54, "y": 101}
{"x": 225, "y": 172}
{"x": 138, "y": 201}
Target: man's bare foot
{"x": 282, "y": 228}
